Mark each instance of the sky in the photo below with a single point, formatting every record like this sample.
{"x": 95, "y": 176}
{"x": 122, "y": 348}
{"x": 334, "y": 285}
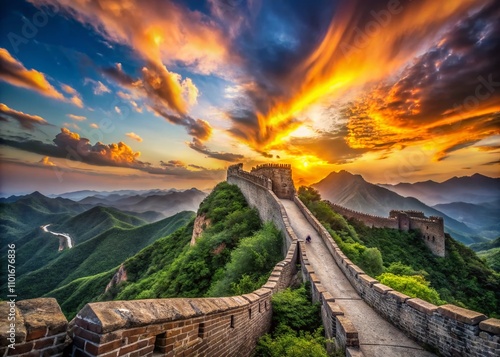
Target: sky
{"x": 130, "y": 94}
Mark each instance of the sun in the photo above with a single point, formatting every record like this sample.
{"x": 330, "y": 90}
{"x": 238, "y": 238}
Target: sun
{"x": 157, "y": 39}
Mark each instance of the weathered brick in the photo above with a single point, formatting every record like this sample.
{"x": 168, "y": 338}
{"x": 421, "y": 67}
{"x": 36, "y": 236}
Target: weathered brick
{"x": 20, "y": 349}
{"x": 460, "y": 314}
{"x": 46, "y": 342}
{"x": 490, "y": 325}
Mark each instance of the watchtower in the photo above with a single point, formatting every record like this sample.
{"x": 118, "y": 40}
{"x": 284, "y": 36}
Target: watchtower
{"x": 281, "y": 177}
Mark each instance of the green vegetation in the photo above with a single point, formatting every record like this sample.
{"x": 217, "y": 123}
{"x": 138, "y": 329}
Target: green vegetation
{"x": 407, "y": 265}
{"x": 296, "y": 327}
{"x": 96, "y": 255}
{"x": 72, "y": 297}
{"x": 219, "y": 262}
{"x": 489, "y": 252}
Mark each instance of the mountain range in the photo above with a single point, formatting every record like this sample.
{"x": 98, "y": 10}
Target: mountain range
{"x": 353, "y": 192}
{"x": 164, "y": 202}
{"x": 102, "y": 238}
{"x": 469, "y": 189}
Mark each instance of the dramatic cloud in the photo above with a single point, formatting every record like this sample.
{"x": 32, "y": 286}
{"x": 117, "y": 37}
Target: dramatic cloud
{"x": 331, "y": 61}
{"x": 154, "y": 88}
{"x": 69, "y": 145}
{"x": 76, "y": 117}
{"x": 450, "y": 93}
{"x": 197, "y": 145}
{"x": 162, "y": 32}
{"x": 198, "y": 128}
{"x": 27, "y": 121}
{"x": 13, "y": 72}
{"x": 134, "y": 136}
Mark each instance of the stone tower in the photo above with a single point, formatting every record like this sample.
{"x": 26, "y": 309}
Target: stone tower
{"x": 281, "y": 177}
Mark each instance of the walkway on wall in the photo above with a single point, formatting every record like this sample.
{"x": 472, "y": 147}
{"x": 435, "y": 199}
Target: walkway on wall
{"x": 377, "y": 336}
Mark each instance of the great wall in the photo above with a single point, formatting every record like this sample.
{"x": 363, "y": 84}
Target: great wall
{"x": 356, "y": 309}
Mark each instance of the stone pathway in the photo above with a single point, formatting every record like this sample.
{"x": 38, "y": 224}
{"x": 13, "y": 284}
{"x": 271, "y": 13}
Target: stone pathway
{"x": 377, "y": 336}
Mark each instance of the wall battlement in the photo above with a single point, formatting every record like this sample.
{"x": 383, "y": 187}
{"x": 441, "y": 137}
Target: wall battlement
{"x": 280, "y": 176}
{"x": 272, "y": 166}
{"x": 431, "y": 228}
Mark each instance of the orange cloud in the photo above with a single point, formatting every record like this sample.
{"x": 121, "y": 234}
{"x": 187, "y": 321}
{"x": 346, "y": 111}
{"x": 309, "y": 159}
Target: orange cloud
{"x": 162, "y": 32}
{"x": 13, "y": 72}
{"x": 76, "y": 117}
{"x": 27, "y": 121}
{"x": 134, "y": 136}
{"x": 362, "y": 45}
{"x": 69, "y": 89}
{"x": 46, "y": 161}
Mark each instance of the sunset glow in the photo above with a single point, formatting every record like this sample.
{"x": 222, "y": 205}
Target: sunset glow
{"x": 169, "y": 93}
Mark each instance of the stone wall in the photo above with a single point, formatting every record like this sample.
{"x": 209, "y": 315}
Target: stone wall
{"x": 265, "y": 201}
{"x": 367, "y": 219}
{"x": 280, "y": 176}
{"x": 39, "y": 328}
{"x": 228, "y": 326}
{"x": 431, "y": 229}
{"x": 449, "y": 329}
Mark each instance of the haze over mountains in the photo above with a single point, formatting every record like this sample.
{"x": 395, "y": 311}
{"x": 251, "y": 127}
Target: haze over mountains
{"x": 150, "y": 205}
{"x": 470, "y": 189}
{"x": 353, "y": 192}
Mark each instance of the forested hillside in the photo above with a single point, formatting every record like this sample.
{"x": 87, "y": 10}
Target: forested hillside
{"x": 95, "y": 255}
{"x": 402, "y": 261}
{"x": 235, "y": 254}
{"x": 232, "y": 256}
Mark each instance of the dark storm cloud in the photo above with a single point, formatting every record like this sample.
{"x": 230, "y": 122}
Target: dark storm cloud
{"x": 461, "y": 73}
{"x": 197, "y": 128}
{"x": 276, "y": 41}
{"x": 117, "y": 74}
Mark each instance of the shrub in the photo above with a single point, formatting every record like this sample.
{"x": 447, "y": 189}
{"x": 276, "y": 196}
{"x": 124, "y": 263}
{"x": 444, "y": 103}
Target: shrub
{"x": 414, "y": 286}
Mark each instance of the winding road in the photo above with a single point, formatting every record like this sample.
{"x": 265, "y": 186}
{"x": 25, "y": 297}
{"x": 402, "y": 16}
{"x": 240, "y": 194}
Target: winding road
{"x": 377, "y": 336}
{"x": 69, "y": 242}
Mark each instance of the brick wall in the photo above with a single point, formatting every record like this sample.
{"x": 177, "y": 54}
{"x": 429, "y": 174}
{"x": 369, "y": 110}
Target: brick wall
{"x": 367, "y": 219}
{"x": 449, "y": 329}
{"x": 280, "y": 176}
{"x": 266, "y": 202}
{"x": 40, "y": 328}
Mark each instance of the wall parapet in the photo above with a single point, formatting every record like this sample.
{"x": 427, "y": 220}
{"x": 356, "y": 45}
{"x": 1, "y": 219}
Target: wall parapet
{"x": 181, "y": 326}
{"x": 431, "y": 228}
{"x": 272, "y": 166}
{"x": 38, "y": 328}
{"x": 452, "y": 330}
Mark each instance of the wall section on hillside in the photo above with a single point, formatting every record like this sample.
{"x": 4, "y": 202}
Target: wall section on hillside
{"x": 449, "y": 329}
{"x": 266, "y": 203}
{"x": 336, "y": 325}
